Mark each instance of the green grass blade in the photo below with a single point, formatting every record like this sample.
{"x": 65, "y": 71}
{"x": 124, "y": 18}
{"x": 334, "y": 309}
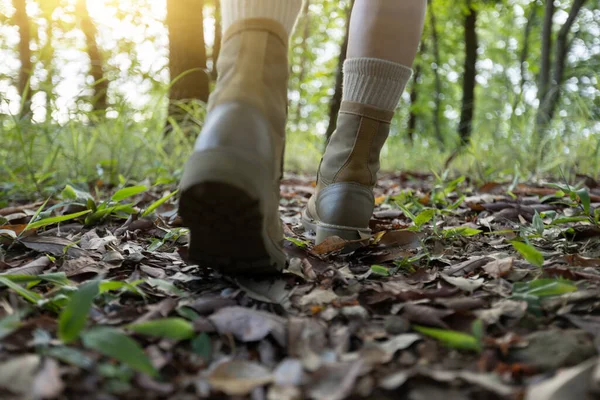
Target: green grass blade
{"x": 152, "y": 207}
{"x": 55, "y": 220}
{"x": 74, "y": 317}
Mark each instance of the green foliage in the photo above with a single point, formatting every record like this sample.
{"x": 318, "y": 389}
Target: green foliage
{"x": 455, "y": 339}
{"x": 380, "y": 270}
{"x": 113, "y": 343}
{"x": 74, "y": 316}
{"x": 69, "y": 142}
{"x": 529, "y": 253}
{"x": 202, "y": 346}
{"x": 171, "y": 328}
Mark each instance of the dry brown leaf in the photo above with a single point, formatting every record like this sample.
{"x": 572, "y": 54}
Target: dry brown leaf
{"x": 468, "y": 285}
{"x": 426, "y": 315}
{"x": 48, "y": 383}
{"x": 499, "y": 268}
{"x": 82, "y": 265}
{"x": 404, "y": 239}
{"x": 238, "y": 377}
{"x": 318, "y": 296}
{"x": 580, "y": 261}
{"x": 54, "y": 245}
{"x": 329, "y": 245}
{"x": 335, "y": 381}
{"x": 18, "y": 374}
{"x": 34, "y": 267}
{"x": 249, "y": 325}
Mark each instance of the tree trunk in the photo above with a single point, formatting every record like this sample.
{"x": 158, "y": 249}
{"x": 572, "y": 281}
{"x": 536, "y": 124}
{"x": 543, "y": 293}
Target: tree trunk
{"x": 96, "y": 59}
{"x": 414, "y": 97}
{"x": 187, "y": 59}
{"x": 47, "y": 55}
{"x": 218, "y": 37}
{"x": 26, "y": 68}
{"x": 465, "y": 125}
{"x": 305, "y": 18}
{"x": 544, "y": 79}
{"x": 437, "y": 112}
{"x": 523, "y": 58}
{"x": 336, "y": 100}
{"x": 563, "y": 44}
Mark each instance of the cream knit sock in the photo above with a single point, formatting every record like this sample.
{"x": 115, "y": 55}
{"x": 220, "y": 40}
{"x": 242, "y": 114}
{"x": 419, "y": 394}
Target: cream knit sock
{"x": 375, "y": 82}
{"x": 283, "y": 11}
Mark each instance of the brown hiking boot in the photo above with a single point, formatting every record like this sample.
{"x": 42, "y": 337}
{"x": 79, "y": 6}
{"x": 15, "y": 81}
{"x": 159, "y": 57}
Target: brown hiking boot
{"x": 230, "y": 185}
{"x": 344, "y": 201}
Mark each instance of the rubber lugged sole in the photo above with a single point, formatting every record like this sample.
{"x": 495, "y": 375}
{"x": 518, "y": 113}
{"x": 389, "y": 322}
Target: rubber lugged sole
{"x": 224, "y": 205}
{"x": 323, "y": 230}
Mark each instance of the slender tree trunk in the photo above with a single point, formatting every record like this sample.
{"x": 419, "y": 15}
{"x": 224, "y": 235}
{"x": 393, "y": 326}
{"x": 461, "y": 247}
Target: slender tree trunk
{"x": 26, "y": 69}
{"x": 47, "y": 55}
{"x": 96, "y": 59}
{"x": 414, "y": 97}
{"x": 563, "y": 45}
{"x": 544, "y": 79}
{"x": 305, "y": 18}
{"x": 336, "y": 100}
{"x": 218, "y": 37}
{"x": 437, "y": 112}
{"x": 187, "y": 59}
{"x": 523, "y": 58}
{"x": 465, "y": 125}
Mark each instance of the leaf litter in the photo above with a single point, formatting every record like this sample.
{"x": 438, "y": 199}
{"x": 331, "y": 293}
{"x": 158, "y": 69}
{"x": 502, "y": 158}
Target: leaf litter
{"x": 461, "y": 293}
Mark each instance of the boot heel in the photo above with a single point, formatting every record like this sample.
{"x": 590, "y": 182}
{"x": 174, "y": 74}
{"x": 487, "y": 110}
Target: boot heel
{"x": 323, "y": 232}
{"x": 227, "y": 207}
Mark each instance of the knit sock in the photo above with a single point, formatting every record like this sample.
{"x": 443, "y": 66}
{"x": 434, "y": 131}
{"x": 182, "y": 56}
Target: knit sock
{"x": 283, "y": 11}
{"x": 375, "y": 82}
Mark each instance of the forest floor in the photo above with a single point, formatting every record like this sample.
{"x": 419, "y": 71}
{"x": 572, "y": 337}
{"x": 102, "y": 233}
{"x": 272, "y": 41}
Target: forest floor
{"x": 463, "y": 292}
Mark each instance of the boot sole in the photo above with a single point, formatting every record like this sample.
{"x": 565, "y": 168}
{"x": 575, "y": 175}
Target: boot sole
{"x": 323, "y": 230}
{"x": 224, "y": 204}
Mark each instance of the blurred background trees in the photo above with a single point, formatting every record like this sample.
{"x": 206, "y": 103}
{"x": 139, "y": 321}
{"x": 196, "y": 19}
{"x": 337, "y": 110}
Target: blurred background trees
{"x": 498, "y": 84}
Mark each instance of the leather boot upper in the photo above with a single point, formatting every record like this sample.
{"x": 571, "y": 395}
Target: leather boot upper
{"x": 349, "y": 167}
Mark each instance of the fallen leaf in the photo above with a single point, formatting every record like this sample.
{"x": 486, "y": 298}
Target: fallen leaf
{"x": 318, "y": 296}
{"x": 249, "y": 325}
{"x": 329, "y": 245}
{"x": 468, "y": 266}
{"x": 335, "y": 381}
{"x": 503, "y": 308}
{"x": 48, "y": 383}
{"x": 404, "y": 239}
{"x": 499, "y": 268}
{"x": 82, "y": 265}
{"x": 238, "y": 377}
{"x": 466, "y": 284}
{"x": 32, "y": 268}
{"x": 573, "y": 383}
{"x": 580, "y": 261}
{"x": 426, "y": 315}
{"x": 17, "y": 374}
{"x": 54, "y": 245}
{"x": 268, "y": 290}
{"x": 552, "y": 349}
{"x": 289, "y": 372}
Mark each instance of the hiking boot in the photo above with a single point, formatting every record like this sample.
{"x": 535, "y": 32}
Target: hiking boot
{"x": 344, "y": 202}
{"x": 230, "y": 185}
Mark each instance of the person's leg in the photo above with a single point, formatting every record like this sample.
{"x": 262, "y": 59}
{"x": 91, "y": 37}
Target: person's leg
{"x": 230, "y": 185}
{"x": 384, "y": 37}
{"x": 386, "y": 29}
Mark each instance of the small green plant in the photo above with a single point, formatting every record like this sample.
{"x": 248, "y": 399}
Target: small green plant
{"x": 457, "y": 340}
